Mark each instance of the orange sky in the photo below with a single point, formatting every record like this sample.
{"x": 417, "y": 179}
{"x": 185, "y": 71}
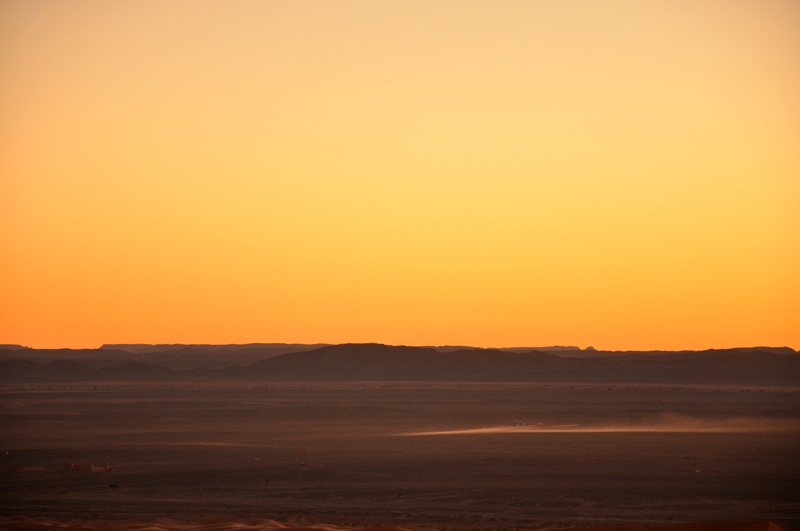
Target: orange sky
{"x": 618, "y": 174}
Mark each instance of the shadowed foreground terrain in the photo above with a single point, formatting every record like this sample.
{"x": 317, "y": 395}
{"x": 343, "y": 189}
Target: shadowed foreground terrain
{"x": 415, "y": 455}
{"x": 260, "y": 524}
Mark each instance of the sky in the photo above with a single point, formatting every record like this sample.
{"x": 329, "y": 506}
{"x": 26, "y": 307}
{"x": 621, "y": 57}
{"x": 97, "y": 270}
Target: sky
{"x": 620, "y": 174}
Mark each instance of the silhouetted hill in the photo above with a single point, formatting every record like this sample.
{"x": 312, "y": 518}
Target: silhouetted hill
{"x": 184, "y": 357}
{"x": 381, "y": 362}
{"x": 56, "y": 371}
{"x": 61, "y": 353}
{"x": 175, "y": 357}
{"x": 282, "y": 348}
{"x": 568, "y": 351}
{"x": 375, "y": 362}
{"x": 13, "y": 347}
{"x": 590, "y": 352}
{"x": 23, "y": 371}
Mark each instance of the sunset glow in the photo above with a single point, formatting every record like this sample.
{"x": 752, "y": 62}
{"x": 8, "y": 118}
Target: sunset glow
{"x": 624, "y": 175}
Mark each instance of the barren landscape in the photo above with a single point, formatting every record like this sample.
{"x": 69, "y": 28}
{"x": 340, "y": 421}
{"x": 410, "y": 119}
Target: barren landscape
{"x": 358, "y": 265}
{"x": 411, "y": 454}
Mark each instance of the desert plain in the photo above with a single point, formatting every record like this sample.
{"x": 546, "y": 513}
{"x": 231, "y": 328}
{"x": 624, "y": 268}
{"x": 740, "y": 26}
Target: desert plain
{"x": 418, "y": 455}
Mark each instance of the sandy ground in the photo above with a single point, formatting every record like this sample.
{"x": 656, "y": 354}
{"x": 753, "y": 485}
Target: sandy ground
{"x": 260, "y": 524}
{"x": 416, "y": 456}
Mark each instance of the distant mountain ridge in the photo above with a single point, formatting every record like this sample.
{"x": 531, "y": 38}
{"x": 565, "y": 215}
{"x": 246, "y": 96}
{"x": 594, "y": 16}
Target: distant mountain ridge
{"x": 283, "y": 348}
{"x": 183, "y": 357}
{"x": 138, "y": 348}
{"x": 376, "y": 362}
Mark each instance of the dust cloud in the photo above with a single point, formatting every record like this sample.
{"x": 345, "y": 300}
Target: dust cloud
{"x": 665, "y": 424}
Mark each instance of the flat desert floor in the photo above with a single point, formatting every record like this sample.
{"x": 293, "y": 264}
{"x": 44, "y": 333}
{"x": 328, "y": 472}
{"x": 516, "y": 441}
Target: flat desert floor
{"x": 439, "y": 456}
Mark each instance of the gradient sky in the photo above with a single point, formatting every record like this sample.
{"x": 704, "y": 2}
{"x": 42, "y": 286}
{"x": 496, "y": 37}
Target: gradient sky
{"x": 618, "y": 174}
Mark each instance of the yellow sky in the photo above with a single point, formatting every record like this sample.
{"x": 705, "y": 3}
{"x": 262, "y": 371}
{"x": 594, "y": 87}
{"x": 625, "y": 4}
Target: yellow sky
{"x": 618, "y": 174}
